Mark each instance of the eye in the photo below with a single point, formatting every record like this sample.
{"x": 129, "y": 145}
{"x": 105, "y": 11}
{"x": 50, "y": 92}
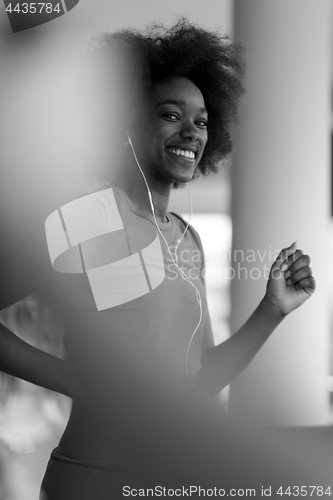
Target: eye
{"x": 171, "y": 116}
{"x": 202, "y": 123}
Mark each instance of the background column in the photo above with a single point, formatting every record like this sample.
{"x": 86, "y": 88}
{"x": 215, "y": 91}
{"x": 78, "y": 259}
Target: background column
{"x": 281, "y": 192}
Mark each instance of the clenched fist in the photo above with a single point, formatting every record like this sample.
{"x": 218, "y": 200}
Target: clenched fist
{"x": 290, "y": 281}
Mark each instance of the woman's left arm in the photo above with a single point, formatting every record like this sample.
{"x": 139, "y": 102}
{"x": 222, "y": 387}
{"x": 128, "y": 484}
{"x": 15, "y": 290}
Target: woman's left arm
{"x": 290, "y": 284}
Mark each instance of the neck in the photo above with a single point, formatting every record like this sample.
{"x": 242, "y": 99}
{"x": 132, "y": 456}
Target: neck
{"x": 131, "y": 181}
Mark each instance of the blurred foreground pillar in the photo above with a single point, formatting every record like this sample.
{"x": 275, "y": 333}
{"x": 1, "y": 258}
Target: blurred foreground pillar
{"x": 281, "y": 192}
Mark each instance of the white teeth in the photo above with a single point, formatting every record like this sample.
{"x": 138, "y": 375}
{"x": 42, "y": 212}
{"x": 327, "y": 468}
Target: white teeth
{"x": 182, "y": 152}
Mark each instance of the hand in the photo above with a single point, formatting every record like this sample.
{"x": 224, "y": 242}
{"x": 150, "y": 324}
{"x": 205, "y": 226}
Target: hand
{"x": 290, "y": 281}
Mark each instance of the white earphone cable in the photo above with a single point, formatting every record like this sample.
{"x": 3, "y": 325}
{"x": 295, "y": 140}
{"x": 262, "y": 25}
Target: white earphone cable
{"x": 175, "y": 261}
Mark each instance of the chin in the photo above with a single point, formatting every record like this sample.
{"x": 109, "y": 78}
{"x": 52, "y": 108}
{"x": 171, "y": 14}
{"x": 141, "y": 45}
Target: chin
{"x": 185, "y": 177}
{"x": 181, "y": 181}
{"x": 178, "y": 184}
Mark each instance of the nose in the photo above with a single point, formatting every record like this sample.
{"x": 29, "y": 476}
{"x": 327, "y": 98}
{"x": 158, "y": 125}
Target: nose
{"x": 190, "y": 132}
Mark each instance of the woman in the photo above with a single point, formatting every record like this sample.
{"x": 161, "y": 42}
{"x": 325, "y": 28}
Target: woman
{"x": 133, "y": 302}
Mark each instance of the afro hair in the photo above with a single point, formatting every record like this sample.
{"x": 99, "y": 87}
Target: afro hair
{"x": 210, "y": 60}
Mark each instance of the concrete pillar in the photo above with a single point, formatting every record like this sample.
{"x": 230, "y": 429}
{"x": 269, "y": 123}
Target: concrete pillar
{"x": 281, "y": 192}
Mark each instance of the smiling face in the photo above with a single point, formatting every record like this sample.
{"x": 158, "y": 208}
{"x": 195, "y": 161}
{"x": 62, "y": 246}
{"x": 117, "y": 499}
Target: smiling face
{"x": 173, "y": 134}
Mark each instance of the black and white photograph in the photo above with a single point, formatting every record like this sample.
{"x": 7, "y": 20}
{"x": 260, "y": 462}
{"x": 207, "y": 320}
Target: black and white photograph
{"x": 166, "y": 249}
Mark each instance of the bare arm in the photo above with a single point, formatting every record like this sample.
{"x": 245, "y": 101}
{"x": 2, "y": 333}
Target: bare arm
{"x": 290, "y": 284}
{"x": 24, "y": 361}
{"x": 222, "y": 363}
